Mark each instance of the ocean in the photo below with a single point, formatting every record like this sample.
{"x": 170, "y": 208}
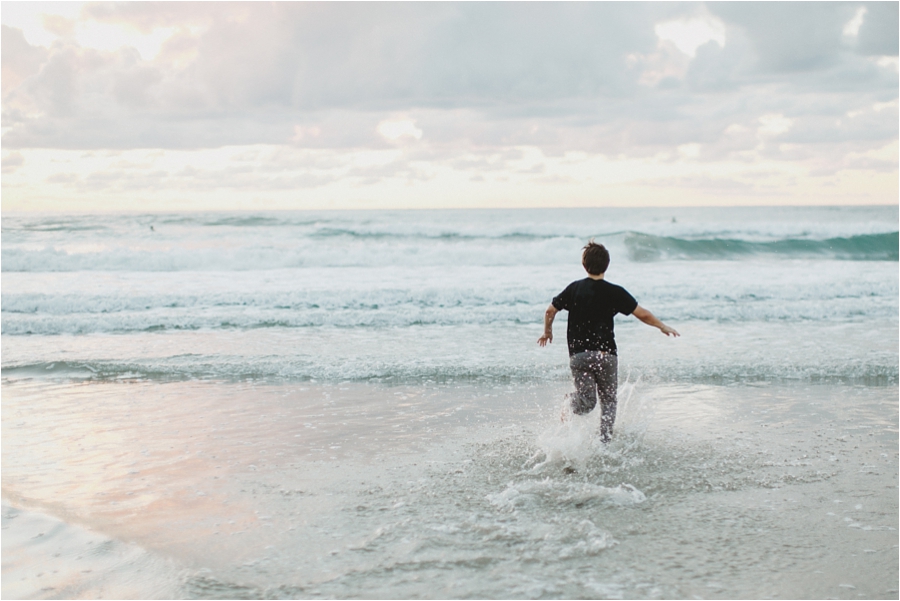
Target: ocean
{"x": 354, "y": 405}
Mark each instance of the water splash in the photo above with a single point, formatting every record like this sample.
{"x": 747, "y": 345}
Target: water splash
{"x": 575, "y": 440}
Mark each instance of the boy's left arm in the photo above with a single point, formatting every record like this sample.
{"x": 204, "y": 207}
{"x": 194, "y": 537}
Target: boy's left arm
{"x": 651, "y": 320}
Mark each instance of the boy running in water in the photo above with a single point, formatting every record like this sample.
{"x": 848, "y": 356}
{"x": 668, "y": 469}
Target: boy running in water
{"x": 592, "y": 303}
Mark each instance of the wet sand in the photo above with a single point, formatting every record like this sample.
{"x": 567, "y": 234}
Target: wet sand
{"x": 210, "y": 490}
{"x": 47, "y": 558}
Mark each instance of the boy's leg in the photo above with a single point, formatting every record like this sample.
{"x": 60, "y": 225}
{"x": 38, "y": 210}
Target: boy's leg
{"x": 583, "y": 369}
{"x": 607, "y": 381}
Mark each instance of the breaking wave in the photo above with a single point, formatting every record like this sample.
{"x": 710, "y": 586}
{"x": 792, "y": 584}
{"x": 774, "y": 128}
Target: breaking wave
{"x": 868, "y": 247}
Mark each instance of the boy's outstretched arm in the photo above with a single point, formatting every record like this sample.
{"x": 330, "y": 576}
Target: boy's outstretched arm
{"x": 549, "y": 314}
{"x": 651, "y": 320}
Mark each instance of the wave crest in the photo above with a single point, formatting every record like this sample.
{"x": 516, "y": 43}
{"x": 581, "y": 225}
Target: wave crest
{"x": 866, "y": 247}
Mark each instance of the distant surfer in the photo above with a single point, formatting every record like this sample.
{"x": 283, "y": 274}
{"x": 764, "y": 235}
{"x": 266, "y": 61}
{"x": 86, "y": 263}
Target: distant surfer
{"x": 592, "y": 303}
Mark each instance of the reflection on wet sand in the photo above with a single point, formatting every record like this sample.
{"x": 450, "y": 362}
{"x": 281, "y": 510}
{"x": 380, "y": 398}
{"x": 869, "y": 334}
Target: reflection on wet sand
{"x": 329, "y": 490}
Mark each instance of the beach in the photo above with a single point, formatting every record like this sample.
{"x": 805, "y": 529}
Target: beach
{"x": 353, "y": 405}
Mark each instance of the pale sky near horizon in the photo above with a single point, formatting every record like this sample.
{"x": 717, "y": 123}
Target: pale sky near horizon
{"x": 203, "y": 106}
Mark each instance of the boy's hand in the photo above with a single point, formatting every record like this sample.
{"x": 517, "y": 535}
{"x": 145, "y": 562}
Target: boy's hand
{"x": 669, "y": 331}
{"x": 543, "y": 340}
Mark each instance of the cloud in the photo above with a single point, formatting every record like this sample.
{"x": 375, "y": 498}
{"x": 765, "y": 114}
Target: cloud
{"x": 269, "y": 64}
{"x": 878, "y": 33}
{"x": 19, "y": 59}
{"x": 705, "y": 184}
{"x": 12, "y": 161}
{"x": 789, "y": 36}
{"x": 397, "y": 129}
{"x": 689, "y": 34}
{"x": 460, "y": 89}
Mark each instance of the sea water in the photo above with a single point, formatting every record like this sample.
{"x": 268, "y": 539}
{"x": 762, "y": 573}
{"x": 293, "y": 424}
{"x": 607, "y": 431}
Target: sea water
{"x": 353, "y": 405}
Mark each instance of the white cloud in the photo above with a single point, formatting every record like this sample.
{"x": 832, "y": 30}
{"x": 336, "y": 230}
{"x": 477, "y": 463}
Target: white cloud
{"x": 773, "y": 124}
{"x": 31, "y": 18}
{"x": 689, "y": 151}
{"x": 887, "y": 62}
{"x": 395, "y": 129}
{"x": 689, "y": 34}
{"x": 111, "y": 37}
{"x": 851, "y": 28}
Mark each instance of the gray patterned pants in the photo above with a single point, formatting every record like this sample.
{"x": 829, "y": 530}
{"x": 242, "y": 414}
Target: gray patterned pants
{"x": 595, "y": 373}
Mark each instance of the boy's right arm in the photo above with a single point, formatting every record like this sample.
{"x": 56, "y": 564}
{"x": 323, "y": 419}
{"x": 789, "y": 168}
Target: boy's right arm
{"x": 549, "y": 315}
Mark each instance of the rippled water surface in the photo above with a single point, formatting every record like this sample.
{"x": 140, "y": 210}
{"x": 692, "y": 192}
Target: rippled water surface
{"x": 353, "y": 405}
{"x": 434, "y": 491}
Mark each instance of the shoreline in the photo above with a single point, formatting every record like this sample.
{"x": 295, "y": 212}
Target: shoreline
{"x": 734, "y": 481}
{"x": 47, "y": 558}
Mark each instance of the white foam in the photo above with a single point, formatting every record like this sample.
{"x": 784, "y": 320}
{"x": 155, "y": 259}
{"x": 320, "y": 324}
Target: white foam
{"x": 549, "y": 491}
{"x": 419, "y": 296}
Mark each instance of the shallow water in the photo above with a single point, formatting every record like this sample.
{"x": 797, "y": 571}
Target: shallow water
{"x": 377, "y": 491}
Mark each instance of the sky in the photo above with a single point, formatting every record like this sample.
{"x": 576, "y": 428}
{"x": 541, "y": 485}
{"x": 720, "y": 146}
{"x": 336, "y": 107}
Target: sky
{"x": 159, "y": 106}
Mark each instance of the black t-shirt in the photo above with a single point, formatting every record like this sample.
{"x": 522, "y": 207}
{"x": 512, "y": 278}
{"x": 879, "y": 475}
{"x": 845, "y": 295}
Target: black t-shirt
{"x": 592, "y": 304}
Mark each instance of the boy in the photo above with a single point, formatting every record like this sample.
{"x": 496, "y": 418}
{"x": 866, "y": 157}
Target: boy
{"x": 592, "y": 303}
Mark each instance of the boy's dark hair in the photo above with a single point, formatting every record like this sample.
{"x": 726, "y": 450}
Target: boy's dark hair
{"x": 595, "y": 258}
